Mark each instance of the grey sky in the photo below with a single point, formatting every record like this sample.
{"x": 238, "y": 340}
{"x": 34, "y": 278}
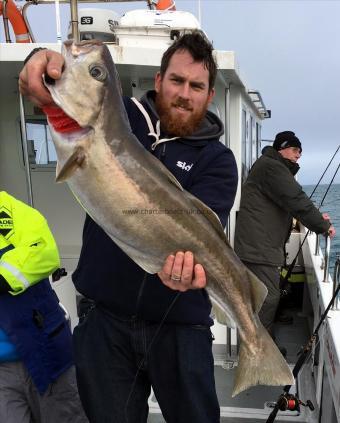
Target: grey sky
{"x": 289, "y": 50}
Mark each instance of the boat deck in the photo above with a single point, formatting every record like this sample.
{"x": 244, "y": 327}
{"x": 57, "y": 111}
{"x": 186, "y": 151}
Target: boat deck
{"x": 255, "y": 404}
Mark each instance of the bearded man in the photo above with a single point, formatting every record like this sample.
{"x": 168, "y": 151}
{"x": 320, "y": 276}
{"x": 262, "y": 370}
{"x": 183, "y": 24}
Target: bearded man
{"x": 115, "y": 366}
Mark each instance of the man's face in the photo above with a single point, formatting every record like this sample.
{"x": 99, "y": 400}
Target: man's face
{"x": 291, "y": 153}
{"x": 183, "y": 94}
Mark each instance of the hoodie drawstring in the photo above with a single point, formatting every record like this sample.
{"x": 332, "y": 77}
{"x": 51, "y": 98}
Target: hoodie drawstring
{"x": 156, "y": 134}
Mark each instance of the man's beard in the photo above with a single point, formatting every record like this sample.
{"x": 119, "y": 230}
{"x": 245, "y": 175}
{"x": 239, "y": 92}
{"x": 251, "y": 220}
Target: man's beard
{"x": 174, "y": 125}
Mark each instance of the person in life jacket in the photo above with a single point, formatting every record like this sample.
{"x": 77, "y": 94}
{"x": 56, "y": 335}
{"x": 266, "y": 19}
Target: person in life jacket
{"x": 37, "y": 380}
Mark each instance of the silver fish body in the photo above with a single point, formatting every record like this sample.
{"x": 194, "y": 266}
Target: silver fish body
{"x": 146, "y": 212}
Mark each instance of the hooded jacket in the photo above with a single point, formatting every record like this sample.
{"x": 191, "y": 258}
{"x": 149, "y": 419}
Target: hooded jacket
{"x": 204, "y": 167}
{"x": 271, "y": 197}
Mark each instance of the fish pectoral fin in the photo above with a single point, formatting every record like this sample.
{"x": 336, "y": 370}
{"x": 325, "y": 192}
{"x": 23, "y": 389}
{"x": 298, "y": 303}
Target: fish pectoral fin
{"x": 211, "y": 216}
{"x": 220, "y": 314}
{"x": 158, "y": 166}
{"x": 75, "y": 161}
{"x": 258, "y": 289}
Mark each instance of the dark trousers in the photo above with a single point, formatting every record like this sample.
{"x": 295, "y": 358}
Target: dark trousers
{"x": 270, "y": 276}
{"x": 179, "y": 367}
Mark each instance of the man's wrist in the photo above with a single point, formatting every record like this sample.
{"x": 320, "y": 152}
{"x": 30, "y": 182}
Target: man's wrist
{"x": 32, "y": 53}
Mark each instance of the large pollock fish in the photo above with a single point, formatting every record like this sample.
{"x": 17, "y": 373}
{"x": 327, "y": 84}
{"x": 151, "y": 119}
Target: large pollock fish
{"x": 109, "y": 172}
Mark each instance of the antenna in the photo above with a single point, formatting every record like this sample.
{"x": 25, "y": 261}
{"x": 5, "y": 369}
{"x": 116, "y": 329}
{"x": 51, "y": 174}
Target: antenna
{"x": 199, "y": 13}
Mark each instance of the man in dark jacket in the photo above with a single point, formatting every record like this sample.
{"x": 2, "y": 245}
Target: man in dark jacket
{"x": 271, "y": 197}
{"x": 118, "y": 357}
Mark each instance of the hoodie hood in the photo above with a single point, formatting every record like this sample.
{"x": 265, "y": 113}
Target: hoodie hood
{"x": 275, "y": 155}
{"x": 211, "y": 126}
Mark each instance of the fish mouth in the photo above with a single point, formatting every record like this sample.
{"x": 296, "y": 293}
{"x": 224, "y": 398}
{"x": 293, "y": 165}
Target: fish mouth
{"x": 62, "y": 119}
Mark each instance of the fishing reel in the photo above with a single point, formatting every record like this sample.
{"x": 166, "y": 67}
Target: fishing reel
{"x": 292, "y": 403}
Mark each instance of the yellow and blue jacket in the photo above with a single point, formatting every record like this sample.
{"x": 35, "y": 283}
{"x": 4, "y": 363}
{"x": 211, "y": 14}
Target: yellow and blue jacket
{"x": 33, "y": 328}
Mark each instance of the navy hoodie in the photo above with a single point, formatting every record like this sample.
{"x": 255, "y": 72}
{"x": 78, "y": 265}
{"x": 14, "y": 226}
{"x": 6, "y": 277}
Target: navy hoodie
{"x": 204, "y": 167}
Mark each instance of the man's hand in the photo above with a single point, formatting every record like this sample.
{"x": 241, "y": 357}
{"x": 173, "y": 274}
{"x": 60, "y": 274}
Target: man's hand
{"x": 331, "y": 232}
{"x": 180, "y": 272}
{"x": 30, "y": 78}
{"x": 331, "y": 229}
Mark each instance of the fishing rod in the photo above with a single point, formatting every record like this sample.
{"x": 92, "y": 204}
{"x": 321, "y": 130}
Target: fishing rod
{"x": 290, "y": 402}
{"x": 329, "y": 163}
{"x": 284, "y": 279}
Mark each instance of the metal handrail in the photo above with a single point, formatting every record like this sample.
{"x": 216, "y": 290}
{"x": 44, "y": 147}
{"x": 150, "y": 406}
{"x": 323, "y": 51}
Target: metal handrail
{"x": 317, "y": 245}
{"x": 336, "y": 281}
{"x": 74, "y": 15}
{"x": 326, "y": 258}
{"x": 5, "y": 19}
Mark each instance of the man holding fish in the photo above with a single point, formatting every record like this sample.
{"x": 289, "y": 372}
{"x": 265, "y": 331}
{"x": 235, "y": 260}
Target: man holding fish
{"x": 146, "y": 201}
{"x": 129, "y": 302}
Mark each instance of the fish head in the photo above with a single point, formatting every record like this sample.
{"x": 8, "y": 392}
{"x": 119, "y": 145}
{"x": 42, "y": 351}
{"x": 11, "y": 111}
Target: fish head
{"x": 84, "y": 84}
{"x": 89, "y": 92}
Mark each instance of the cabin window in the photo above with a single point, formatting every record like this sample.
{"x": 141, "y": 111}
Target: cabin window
{"x": 41, "y": 151}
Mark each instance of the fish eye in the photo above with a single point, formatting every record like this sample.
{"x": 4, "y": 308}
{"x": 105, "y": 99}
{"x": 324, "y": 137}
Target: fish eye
{"x": 98, "y": 72}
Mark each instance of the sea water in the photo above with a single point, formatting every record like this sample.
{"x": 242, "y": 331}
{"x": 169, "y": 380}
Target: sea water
{"x": 331, "y": 205}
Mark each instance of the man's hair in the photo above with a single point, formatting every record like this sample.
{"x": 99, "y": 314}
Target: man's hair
{"x": 199, "y": 48}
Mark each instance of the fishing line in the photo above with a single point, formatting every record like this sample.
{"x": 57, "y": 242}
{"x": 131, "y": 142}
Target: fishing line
{"x": 329, "y": 185}
{"x": 336, "y": 151}
{"x": 141, "y": 364}
{"x": 332, "y": 202}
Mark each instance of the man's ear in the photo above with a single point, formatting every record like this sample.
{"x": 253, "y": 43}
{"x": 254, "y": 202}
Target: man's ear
{"x": 211, "y": 95}
{"x": 158, "y": 80}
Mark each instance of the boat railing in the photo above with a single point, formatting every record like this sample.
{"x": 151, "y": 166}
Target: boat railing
{"x": 336, "y": 280}
{"x": 326, "y": 259}
{"x": 326, "y": 255}
{"x": 73, "y": 12}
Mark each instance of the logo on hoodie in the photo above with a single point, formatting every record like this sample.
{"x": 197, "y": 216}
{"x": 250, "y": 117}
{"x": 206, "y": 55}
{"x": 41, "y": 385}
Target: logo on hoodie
{"x": 184, "y": 165}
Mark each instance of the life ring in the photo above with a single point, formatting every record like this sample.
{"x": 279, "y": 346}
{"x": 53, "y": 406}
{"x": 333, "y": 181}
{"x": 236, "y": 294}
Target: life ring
{"x": 165, "y": 5}
{"x": 17, "y": 21}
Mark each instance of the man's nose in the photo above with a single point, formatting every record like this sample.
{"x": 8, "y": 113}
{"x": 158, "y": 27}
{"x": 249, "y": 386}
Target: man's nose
{"x": 185, "y": 90}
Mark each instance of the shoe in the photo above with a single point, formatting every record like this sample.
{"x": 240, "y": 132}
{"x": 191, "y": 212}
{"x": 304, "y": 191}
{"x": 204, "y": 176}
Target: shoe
{"x": 284, "y": 319}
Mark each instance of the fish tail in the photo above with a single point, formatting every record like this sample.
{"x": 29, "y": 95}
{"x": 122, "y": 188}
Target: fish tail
{"x": 263, "y": 366}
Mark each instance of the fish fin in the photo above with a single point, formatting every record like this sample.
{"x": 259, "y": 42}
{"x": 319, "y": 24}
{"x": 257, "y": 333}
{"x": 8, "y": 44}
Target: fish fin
{"x": 211, "y": 216}
{"x": 158, "y": 166}
{"x": 258, "y": 289}
{"x": 220, "y": 315}
{"x": 264, "y": 365}
{"x": 75, "y": 161}
{"x": 174, "y": 181}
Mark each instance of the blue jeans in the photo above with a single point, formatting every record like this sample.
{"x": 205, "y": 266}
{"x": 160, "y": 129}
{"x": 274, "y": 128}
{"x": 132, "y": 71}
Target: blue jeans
{"x": 179, "y": 367}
